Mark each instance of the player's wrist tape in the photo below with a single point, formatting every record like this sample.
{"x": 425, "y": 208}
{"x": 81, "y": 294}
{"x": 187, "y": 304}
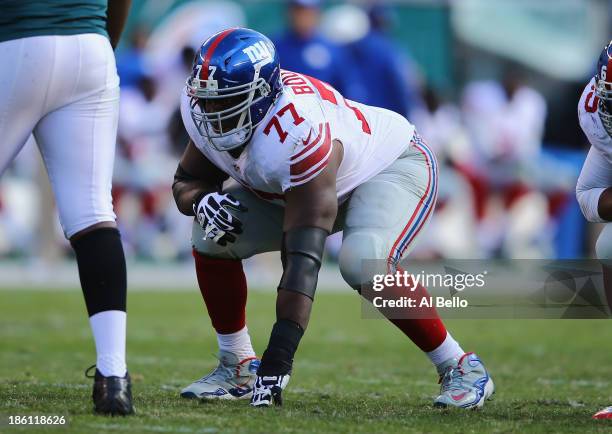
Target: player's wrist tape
{"x": 301, "y": 255}
{"x": 284, "y": 341}
{"x": 198, "y": 198}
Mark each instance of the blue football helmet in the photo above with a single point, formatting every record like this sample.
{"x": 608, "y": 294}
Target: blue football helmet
{"x": 234, "y": 83}
{"x": 604, "y": 87}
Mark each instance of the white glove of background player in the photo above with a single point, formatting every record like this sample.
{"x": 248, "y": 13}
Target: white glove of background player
{"x": 213, "y": 213}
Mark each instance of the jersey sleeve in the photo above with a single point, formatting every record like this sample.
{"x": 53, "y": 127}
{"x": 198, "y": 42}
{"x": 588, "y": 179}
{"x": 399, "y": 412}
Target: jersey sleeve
{"x": 298, "y": 140}
{"x": 591, "y": 123}
{"x": 595, "y": 177}
{"x": 311, "y": 153}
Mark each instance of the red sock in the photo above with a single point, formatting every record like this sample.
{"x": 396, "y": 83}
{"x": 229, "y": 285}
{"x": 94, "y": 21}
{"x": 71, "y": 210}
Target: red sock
{"x": 224, "y": 290}
{"x": 425, "y": 328}
{"x": 427, "y": 334}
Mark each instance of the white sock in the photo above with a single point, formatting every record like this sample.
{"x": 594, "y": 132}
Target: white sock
{"x": 238, "y": 343}
{"x": 108, "y": 329}
{"x": 447, "y": 350}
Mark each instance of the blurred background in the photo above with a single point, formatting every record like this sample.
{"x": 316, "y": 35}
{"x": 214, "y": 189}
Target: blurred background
{"x": 492, "y": 86}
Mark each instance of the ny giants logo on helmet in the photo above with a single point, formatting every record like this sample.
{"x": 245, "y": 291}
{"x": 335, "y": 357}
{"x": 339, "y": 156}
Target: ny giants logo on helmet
{"x": 260, "y": 53}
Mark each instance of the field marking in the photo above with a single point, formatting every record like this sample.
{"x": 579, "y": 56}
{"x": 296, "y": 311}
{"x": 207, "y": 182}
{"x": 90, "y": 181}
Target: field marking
{"x": 600, "y": 384}
{"x": 20, "y": 383}
{"x": 151, "y": 428}
{"x": 261, "y": 275}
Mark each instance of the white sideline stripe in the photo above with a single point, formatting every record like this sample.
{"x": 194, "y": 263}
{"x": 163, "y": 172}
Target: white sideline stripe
{"x": 47, "y": 384}
{"x": 261, "y": 275}
{"x": 600, "y": 384}
{"x": 151, "y": 428}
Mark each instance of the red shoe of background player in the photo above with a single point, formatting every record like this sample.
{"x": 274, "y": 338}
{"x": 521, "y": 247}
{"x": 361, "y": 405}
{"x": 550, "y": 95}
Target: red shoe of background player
{"x": 606, "y": 413}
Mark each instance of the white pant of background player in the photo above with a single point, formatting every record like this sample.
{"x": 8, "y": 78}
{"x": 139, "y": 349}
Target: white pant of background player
{"x": 64, "y": 90}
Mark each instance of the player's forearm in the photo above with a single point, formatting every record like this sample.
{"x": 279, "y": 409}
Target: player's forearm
{"x": 604, "y": 206}
{"x": 117, "y": 14}
{"x": 186, "y": 192}
{"x": 301, "y": 253}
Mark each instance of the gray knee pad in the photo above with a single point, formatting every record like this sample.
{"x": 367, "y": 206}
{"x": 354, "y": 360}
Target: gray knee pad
{"x": 357, "y": 247}
{"x": 603, "y": 247}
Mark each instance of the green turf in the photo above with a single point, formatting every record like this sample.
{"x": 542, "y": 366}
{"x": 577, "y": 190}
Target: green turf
{"x": 351, "y": 375}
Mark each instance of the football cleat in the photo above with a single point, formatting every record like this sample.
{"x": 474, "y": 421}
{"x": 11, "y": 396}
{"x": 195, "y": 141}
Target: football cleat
{"x": 111, "y": 395}
{"x": 464, "y": 383}
{"x": 231, "y": 379}
{"x": 268, "y": 390}
{"x": 606, "y": 413}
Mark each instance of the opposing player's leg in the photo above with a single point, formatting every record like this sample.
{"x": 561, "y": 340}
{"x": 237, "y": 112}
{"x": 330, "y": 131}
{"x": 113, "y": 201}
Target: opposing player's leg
{"x": 385, "y": 217}
{"x": 77, "y": 142}
{"x": 224, "y": 289}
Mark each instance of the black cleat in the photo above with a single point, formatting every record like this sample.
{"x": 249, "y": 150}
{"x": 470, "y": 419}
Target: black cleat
{"x": 111, "y": 395}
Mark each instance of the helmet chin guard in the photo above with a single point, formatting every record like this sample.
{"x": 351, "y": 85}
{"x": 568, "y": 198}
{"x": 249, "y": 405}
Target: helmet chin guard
{"x": 604, "y": 107}
{"x": 234, "y": 83}
{"x": 603, "y": 88}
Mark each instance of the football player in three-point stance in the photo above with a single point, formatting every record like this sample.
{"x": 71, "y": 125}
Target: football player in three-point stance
{"x": 304, "y": 162}
{"x": 59, "y": 81}
{"x": 594, "y": 188}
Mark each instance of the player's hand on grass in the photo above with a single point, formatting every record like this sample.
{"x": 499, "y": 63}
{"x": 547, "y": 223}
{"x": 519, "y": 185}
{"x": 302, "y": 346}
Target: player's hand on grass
{"x": 216, "y": 213}
{"x": 268, "y": 390}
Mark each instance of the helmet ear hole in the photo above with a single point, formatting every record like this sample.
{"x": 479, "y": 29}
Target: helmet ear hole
{"x": 263, "y": 91}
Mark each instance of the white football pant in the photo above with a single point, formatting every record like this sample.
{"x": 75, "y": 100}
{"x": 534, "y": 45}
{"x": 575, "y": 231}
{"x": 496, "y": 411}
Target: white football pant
{"x": 64, "y": 90}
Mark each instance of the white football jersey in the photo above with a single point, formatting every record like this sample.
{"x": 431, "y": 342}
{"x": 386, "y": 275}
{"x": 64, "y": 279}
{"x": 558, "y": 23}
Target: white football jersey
{"x": 591, "y": 123}
{"x": 293, "y": 143}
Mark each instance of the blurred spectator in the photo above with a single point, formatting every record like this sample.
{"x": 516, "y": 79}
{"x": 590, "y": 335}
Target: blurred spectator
{"x": 143, "y": 119}
{"x": 386, "y": 72}
{"x": 516, "y": 211}
{"x": 453, "y": 226}
{"x": 176, "y": 130}
{"x": 303, "y": 49}
{"x": 144, "y": 166}
{"x": 506, "y": 120}
{"x": 130, "y": 60}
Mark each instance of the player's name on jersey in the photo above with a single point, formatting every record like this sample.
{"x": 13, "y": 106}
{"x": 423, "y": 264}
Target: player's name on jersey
{"x": 419, "y": 302}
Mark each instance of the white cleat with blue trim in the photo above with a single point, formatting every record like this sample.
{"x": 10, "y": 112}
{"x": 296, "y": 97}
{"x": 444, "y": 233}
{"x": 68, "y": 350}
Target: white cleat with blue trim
{"x": 464, "y": 383}
{"x": 231, "y": 379}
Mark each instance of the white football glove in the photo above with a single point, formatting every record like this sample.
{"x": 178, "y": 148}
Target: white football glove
{"x": 268, "y": 390}
{"x": 213, "y": 213}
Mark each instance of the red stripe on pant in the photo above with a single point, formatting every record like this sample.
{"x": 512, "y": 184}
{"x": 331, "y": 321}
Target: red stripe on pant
{"x": 224, "y": 290}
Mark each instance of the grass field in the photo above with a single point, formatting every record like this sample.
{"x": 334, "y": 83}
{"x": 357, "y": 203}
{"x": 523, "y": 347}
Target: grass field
{"x": 351, "y": 375}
